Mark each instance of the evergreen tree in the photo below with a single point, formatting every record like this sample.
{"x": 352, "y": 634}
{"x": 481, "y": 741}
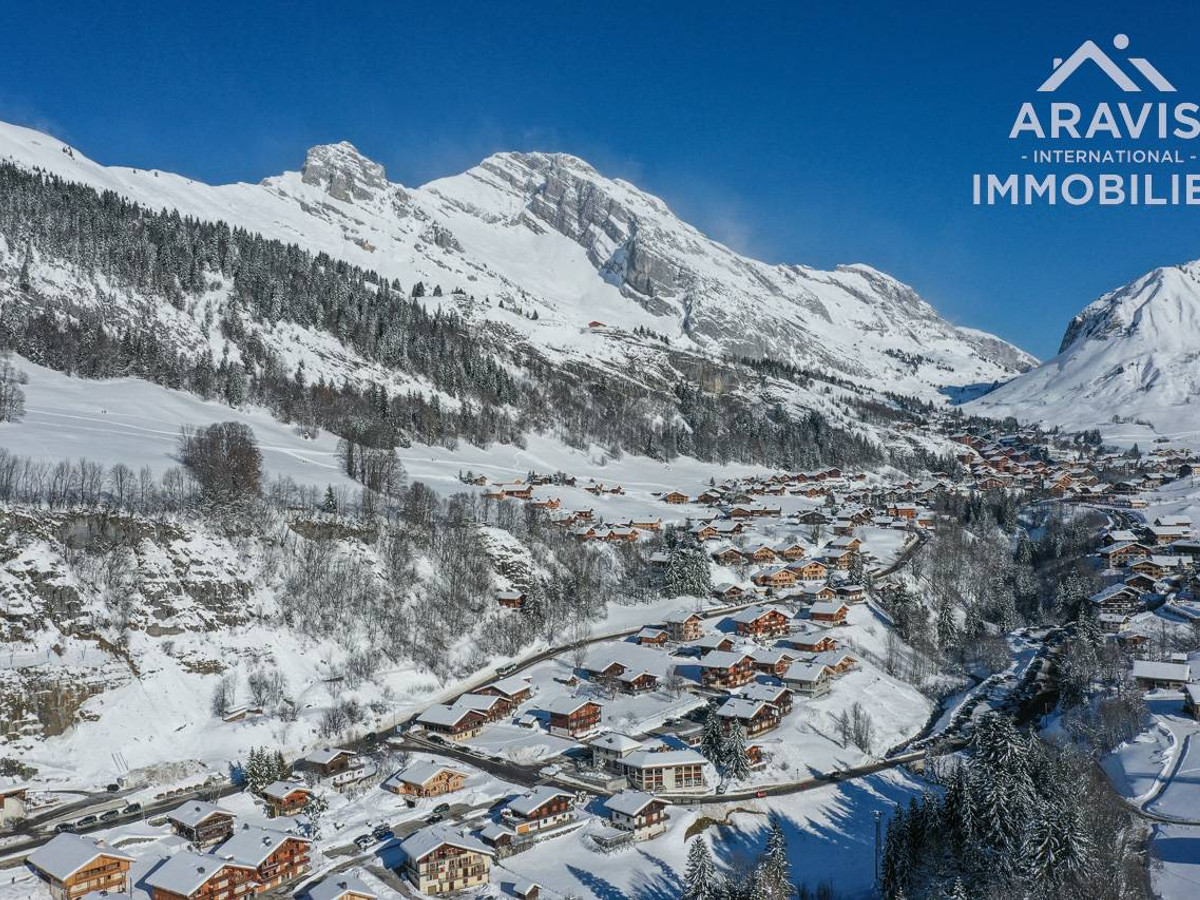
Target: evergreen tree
{"x": 712, "y": 738}
{"x": 700, "y": 878}
{"x": 776, "y": 872}
{"x": 687, "y": 574}
{"x": 737, "y": 759}
{"x": 329, "y": 504}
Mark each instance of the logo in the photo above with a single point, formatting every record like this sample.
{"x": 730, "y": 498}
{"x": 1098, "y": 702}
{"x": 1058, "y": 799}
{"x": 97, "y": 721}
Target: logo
{"x": 1120, "y": 151}
{"x": 1089, "y": 52}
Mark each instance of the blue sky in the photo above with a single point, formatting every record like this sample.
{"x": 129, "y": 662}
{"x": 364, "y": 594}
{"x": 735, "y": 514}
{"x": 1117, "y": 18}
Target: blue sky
{"x": 811, "y": 132}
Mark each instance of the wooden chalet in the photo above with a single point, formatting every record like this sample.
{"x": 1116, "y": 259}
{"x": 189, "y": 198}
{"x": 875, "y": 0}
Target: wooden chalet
{"x": 573, "y": 716}
{"x": 201, "y": 824}
{"x": 72, "y": 865}
{"x": 286, "y": 798}
{"x": 440, "y": 861}
{"x": 726, "y": 668}
{"x": 426, "y": 779}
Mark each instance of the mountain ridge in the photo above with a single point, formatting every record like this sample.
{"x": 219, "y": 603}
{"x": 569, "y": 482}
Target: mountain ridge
{"x": 545, "y": 244}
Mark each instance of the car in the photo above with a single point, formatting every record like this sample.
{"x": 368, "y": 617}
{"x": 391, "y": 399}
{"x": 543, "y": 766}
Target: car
{"x": 437, "y": 739}
{"x": 371, "y": 737}
{"x": 132, "y": 808}
{"x": 363, "y": 841}
{"x": 760, "y": 794}
{"x": 86, "y": 821}
{"x": 433, "y": 820}
{"x": 64, "y": 827}
{"x": 836, "y": 775}
{"x": 442, "y": 808}
{"x": 109, "y": 814}
{"x": 112, "y": 788}
{"x": 506, "y": 670}
{"x": 721, "y": 788}
{"x": 383, "y": 833}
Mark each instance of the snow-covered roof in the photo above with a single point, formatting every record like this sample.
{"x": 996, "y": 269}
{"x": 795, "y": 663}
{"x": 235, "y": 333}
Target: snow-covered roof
{"x": 512, "y": 685}
{"x": 65, "y": 854}
{"x": 722, "y": 659}
{"x": 335, "y": 887}
{"x": 281, "y": 790}
{"x": 422, "y": 772}
{"x": 644, "y": 759}
{"x": 740, "y": 708}
{"x": 768, "y": 693}
{"x": 564, "y": 706}
{"x": 326, "y": 755}
{"x": 446, "y": 715}
{"x": 251, "y": 845}
{"x": 540, "y": 795}
{"x": 630, "y": 803}
{"x": 614, "y": 740}
{"x": 1161, "y": 671}
{"x": 186, "y": 872}
{"x": 680, "y": 616}
{"x": 194, "y": 812}
{"x": 421, "y": 843}
{"x": 804, "y": 672}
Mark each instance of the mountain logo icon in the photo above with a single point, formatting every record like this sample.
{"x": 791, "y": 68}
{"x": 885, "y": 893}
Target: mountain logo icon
{"x": 1090, "y": 51}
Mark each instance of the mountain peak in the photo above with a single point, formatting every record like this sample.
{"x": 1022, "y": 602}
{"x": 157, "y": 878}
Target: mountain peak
{"x": 343, "y": 171}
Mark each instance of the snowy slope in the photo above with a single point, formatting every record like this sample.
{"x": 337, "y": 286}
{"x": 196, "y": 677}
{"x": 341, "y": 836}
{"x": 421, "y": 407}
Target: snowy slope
{"x": 1134, "y": 354}
{"x": 560, "y": 245}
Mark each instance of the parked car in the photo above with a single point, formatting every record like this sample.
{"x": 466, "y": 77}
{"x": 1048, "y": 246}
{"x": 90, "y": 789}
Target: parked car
{"x": 760, "y": 794}
{"x": 112, "y": 788}
{"x": 363, "y": 841}
{"x": 109, "y": 814}
{"x": 383, "y": 833}
{"x": 86, "y": 821}
{"x": 442, "y": 808}
{"x": 62, "y": 827}
{"x": 132, "y": 808}
{"x": 434, "y": 819}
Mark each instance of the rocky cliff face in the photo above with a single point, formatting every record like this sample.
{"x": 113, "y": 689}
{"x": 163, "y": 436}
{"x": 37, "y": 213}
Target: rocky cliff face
{"x": 543, "y": 243}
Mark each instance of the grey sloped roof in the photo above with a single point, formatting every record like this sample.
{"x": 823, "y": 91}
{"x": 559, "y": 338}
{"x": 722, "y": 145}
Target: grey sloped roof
{"x": 187, "y": 872}
{"x": 337, "y": 886}
{"x": 65, "y": 854}
{"x": 630, "y": 803}
{"x": 252, "y": 845}
{"x": 194, "y": 812}
{"x": 529, "y": 803}
{"x": 421, "y": 843}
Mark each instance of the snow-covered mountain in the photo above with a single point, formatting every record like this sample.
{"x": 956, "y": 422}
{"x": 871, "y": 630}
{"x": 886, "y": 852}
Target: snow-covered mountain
{"x": 1133, "y": 355}
{"x": 544, "y": 244}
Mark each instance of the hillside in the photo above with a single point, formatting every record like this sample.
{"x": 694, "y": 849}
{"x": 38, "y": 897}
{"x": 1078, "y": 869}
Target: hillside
{"x": 540, "y": 245}
{"x": 1128, "y": 364}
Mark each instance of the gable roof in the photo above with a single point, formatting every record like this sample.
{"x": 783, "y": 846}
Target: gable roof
{"x": 421, "y": 772}
{"x": 186, "y": 872}
{"x": 421, "y": 843}
{"x": 194, "y": 812}
{"x": 338, "y": 886}
{"x": 326, "y": 755}
{"x": 539, "y": 796}
{"x": 65, "y": 854}
{"x": 630, "y": 803}
{"x": 252, "y": 845}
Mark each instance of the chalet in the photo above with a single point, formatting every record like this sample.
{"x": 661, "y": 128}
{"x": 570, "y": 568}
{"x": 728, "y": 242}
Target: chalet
{"x": 440, "y": 861}
{"x": 772, "y": 660}
{"x": 636, "y": 681}
{"x": 902, "y": 511}
{"x": 1116, "y": 598}
{"x": 851, "y": 593}
{"x": 457, "y": 721}
{"x": 762, "y": 553}
{"x": 341, "y": 887}
{"x": 809, "y": 679}
{"x": 646, "y": 523}
{"x": 1160, "y": 565}
{"x": 728, "y": 592}
{"x": 543, "y": 807}
{"x": 811, "y": 593}
{"x": 777, "y": 695}
{"x": 286, "y": 798}
{"x": 809, "y": 570}
{"x": 726, "y": 669}
{"x": 676, "y": 497}
{"x": 330, "y": 761}
{"x": 622, "y": 535}
{"x": 73, "y": 865}
{"x": 833, "y": 611}
{"x": 684, "y": 625}
{"x": 664, "y": 770}
{"x": 1113, "y": 623}
{"x": 201, "y": 824}
{"x": 515, "y": 689}
{"x": 12, "y": 804}
{"x": 714, "y": 641}
{"x": 755, "y": 716}
{"x": 192, "y": 876}
{"x": 651, "y": 637}
{"x": 760, "y": 622}
{"x": 1161, "y": 535}
{"x": 839, "y": 559}
{"x": 1118, "y": 555}
{"x": 847, "y": 542}
{"x": 729, "y": 556}
{"x": 573, "y": 716}
{"x": 511, "y": 599}
{"x": 791, "y": 550}
{"x": 838, "y": 662}
{"x": 776, "y": 576}
{"x": 609, "y": 750}
{"x": 425, "y": 779}
{"x": 277, "y": 856}
{"x": 1170, "y": 675}
{"x": 706, "y": 532}
{"x": 639, "y": 812}
{"x": 524, "y": 889}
